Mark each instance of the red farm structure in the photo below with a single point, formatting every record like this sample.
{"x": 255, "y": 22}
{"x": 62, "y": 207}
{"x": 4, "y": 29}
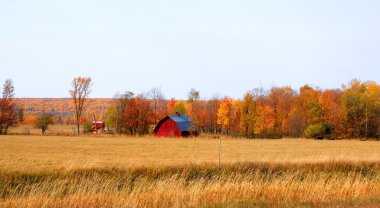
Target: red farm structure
{"x": 173, "y": 126}
{"x": 98, "y": 125}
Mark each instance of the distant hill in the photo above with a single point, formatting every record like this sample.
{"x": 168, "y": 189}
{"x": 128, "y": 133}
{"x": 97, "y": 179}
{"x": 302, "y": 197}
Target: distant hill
{"x": 61, "y": 108}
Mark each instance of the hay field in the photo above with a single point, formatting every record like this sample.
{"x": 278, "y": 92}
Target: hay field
{"x": 58, "y": 171}
{"x": 54, "y": 129}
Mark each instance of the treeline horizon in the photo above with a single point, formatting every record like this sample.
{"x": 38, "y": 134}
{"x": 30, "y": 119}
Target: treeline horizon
{"x": 352, "y": 111}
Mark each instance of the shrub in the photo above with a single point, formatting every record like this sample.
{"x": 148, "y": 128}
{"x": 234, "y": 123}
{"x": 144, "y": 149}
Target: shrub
{"x": 318, "y": 130}
{"x": 87, "y": 128}
{"x": 43, "y": 121}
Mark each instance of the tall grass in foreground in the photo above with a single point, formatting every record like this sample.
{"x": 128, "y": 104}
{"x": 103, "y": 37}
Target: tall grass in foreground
{"x": 231, "y": 185}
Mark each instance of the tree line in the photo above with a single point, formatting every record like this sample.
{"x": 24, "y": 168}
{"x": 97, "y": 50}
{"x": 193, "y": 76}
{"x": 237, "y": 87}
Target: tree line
{"x": 352, "y": 111}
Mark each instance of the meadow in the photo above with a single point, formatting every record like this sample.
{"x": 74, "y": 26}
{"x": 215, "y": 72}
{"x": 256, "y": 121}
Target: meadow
{"x": 121, "y": 171}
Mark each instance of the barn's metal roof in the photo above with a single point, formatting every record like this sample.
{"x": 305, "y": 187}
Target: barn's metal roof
{"x": 182, "y": 121}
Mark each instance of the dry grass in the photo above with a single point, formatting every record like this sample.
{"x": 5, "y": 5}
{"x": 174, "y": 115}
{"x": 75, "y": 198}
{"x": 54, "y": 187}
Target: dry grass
{"x": 55, "y": 129}
{"x": 55, "y": 152}
{"x": 93, "y": 171}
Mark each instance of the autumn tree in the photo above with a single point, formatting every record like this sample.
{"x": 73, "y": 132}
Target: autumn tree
{"x": 236, "y": 117}
{"x": 354, "y": 106}
{"x": 116, "y": 112}
{"x": 180, "y": 107}
{"x": 138, "y": 114}
{"x": 43, "y": 121}
{"x": 248, "y": 115}
{"x": 265, "y": 119}
{"x": 372, "y": 100}
{"x": 170, "y": 106}
{"x": 306, "y": 110}
{"x": 145, "y": 115}
{"x": 196, "y": 109}
{"x": 310, "y": 104}
{"x": 332, "y": 113}
{"x": 199, "y": 114}
{"x": 131, "y": 114}
{"x": 281, "y": 100}
{"x": 296, "y": 120}
{"x": 360, "y": 105}
{"x": 225, "y": 114}
{"x": 81, "y": 88}
{"x": 211, "y": 115}
{"x": 8, "y": 115}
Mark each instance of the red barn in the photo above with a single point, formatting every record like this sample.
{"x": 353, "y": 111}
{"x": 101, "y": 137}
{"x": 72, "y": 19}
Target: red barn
{"x": 98, "y": 125}
{"x": 173, "y": 126}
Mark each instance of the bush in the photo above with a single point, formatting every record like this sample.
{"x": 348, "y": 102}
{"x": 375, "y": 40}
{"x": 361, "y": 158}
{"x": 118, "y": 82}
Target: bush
{"x": 318, "y": 130}
{"x": 87, "y": 128}
{"x": 43, "y": 121}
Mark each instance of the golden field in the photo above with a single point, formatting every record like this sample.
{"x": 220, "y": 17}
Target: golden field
{"x": 55, "y": 129}
{"x": 55, "y": 152}
{"x": 106, "y": 171}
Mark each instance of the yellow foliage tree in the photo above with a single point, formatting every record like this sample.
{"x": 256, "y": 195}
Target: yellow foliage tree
{"x": 225, "y": 114}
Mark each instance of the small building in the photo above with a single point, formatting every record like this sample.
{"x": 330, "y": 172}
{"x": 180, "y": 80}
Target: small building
{"x": 173, "y": 126}
{"x": 98, "y": 125}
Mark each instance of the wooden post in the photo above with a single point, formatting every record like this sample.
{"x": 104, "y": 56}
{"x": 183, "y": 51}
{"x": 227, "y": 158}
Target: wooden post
{"x": 220, "y": 146}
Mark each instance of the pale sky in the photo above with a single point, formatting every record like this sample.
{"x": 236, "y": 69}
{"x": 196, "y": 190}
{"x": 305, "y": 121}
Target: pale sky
{"x": 214, "y": 46}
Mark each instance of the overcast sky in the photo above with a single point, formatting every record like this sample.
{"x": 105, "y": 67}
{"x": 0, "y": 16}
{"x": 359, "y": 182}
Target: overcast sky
{"x": 215, "y": 46}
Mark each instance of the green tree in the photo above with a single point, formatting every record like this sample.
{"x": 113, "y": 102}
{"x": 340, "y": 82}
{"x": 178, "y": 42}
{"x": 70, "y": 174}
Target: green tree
{"x": 43, "y": 121}
{"x": 193, "y": 95}
{"x": 87, "y": 128}
{"x": 111, "y": 118}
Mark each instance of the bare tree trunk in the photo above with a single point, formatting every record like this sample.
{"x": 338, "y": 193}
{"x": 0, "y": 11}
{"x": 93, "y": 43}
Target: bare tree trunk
{"x": 78, "y": 125}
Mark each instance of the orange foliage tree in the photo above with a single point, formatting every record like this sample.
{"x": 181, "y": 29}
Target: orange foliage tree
{"x": 265, "y": 119}
{"x": 349, "y": 112}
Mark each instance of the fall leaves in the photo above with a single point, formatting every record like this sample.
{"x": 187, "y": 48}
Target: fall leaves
{"x": 8, "y": 116}
{"x": 349, "y": 112}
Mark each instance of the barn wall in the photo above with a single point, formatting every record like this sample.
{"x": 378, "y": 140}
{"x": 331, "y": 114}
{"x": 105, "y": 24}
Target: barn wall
{"x": 168, "y": 129}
